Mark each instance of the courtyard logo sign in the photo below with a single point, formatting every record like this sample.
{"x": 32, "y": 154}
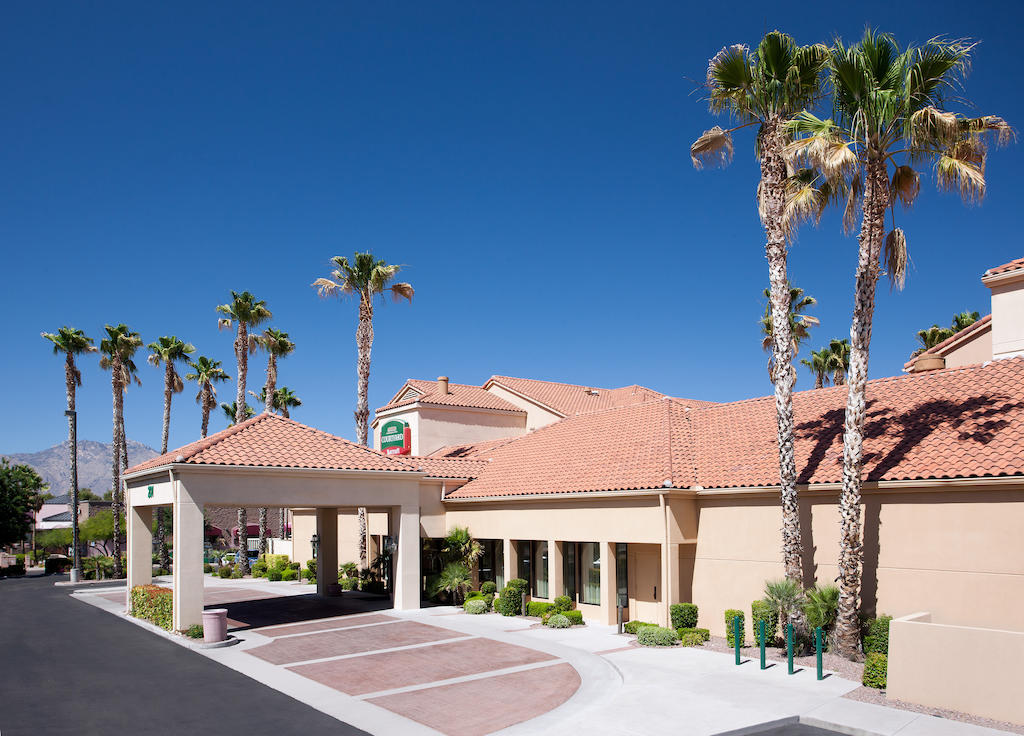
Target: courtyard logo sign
{"x": 396, "y": 438}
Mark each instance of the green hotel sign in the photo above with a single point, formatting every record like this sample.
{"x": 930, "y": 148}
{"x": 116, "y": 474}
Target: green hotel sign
{"x": 395, "y": 438}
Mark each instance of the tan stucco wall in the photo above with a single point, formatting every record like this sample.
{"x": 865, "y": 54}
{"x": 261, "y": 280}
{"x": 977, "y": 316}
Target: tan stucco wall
{"x": 973, "y": 670}
{"x": 1008, "y": 319}
{"x": 956, "y": 553}
{"x": 304, "y": 525}
{"x": 536, "y": 416}
{"x": 977, "y": 349}
{"x": 436, "y": 427}
{"x": 408, "y": 415}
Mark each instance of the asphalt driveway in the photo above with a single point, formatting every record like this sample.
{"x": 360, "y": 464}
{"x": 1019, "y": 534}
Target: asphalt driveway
{"x": 69, "y": 668}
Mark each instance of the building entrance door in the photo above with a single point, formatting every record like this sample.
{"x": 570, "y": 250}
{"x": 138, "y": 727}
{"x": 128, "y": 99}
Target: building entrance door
{"x": 644, "y": 582}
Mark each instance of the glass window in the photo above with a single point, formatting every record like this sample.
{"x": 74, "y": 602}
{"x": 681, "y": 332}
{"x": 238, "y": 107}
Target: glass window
{"x": 524, "y": 549}
{"x": 540, "y": 569}
{"x": 499, "y": 563}
{"x": 569, "y": 568}
{"x": 621, "y": 571}
{"x": 486, "y": 565}
{"x": 590, "y": 573}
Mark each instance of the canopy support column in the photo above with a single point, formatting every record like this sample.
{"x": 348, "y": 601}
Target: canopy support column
{"x": 140, "y": 548}
{"x": 407, "y": 557}
{"x": 188, "y": 560}
{"x": 327, "y": 549}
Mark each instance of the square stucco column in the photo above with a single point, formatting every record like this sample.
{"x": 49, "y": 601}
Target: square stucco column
{"x": 407, "y": 557}
{"x": 608, "y": 583}
{"x": 327, "y": 551}
{"x": 188, "y": 561}
{"x": 140, "y": 548}
{"x": 556, "y": 585}
{"x": 669, "y": 581}
{"x": 511, "y": 560}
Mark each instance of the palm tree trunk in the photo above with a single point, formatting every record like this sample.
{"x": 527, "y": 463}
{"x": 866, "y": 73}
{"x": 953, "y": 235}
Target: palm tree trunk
{"x": 242, "y": 559}
{"x": 773, "y": 183}
{"x": 364, "y": 343}
{"x": 280, "y": 522}
{"x": 263, "y": 530}
{"x": 363, "y": 538}
{"x": 242, "y": 355}
{"x": 115, "y": 495}
{"x": 819, "y": 380}
{"x": 69, "y": 378}
{"x": 161, "y": 532}
{"x": 872, "y": 232}
{"x": 271, "y": 387}
{"x": 208, "y": 404}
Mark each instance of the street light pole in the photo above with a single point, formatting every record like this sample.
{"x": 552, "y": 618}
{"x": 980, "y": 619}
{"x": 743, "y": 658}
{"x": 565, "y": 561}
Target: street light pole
{"x": 76, "y": 569}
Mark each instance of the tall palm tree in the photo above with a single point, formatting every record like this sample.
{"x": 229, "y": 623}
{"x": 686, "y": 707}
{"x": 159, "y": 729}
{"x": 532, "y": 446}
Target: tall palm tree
{"x": 931, "y": 337}
{"x": 231, "y": 411}
{"x": 71, "y": 342}
{"x": 840, "y": 360}
{"x": 819, "y": 365}
{"x": 800, "y": 325}
{"x": 285, "y": 399}
{"x": 767, "y": 88}
{"x": 963, "y": 320}
{"x": 243, "y": 311}
{"x": 167, "y": 351}
{"x": 889, "y": 114}
{"x": 207, "y": 372}
{"x": 366, "y": 277}
{"x": 118, "y": 350}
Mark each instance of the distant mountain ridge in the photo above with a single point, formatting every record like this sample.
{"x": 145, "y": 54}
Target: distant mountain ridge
{"x": 94, "y": 464}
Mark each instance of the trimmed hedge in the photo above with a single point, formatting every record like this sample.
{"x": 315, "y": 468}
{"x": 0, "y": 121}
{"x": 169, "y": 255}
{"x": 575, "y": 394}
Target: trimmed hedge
{"x": 475, "y": 606}
{"x": 511, "y": 602}
{"x": 703, "y": 634}
{"x": 875, "y": 667}
{"x": 564, "y": 603}
{"x": 225, "y": 571}
{"x": 877, "y": 638}
{"x": 559, "y": 621}
{"x": 489, "y": 588}
{"x": 691, "y": 639}
{"x": 289, "y": 573}
{"x": 279, "y": 562}
{"x": 538, "y": 608}
{"x": 207, "y": 567}
{"x": 764, "y": 611}
{"x": 731, "y": 614}
{"x": 274, "y": 575}
{"x": 260, "y": 569}
{"x": 152, "y": 603}
{"x": 633, "y": 627}
{"x": 656, "y": 636}
{"x": 575, "y": 617}
{"x": 684, "y": 615}
{"x": 237, "y": 573}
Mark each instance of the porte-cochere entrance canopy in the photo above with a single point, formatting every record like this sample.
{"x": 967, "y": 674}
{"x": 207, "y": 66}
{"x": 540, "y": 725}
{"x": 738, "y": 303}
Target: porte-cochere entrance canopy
{"x": 269, "y": 461}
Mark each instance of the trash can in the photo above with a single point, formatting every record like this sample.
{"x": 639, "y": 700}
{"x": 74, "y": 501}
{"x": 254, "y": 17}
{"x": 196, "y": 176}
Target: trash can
{"x": 215, "y": 625}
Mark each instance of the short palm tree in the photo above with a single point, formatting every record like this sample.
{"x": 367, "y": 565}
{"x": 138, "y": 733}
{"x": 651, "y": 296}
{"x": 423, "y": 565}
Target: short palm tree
{"x": 70, "y": 342}
{"x": 455, "y": 579}
{"x": 840, "y": 360}
{"x": 963, "y": 320}
{"x": 231, "y": 412}
{"x": 364, "y": 276}
{"x": 285, "y": 399}
{"x": 207, "y": 372}
{"x": 243, "y": 312}
{"x": 459, "y": 546}
{"x": 167, "y": 351}
{"x": 800, "y": 325}
{"x": 888, "y": 115}
{"x": 767, "y": 88}
{"x": 118, "y": 350}
{"x": 819, "y": 365}
{"x": 931, "y": 337}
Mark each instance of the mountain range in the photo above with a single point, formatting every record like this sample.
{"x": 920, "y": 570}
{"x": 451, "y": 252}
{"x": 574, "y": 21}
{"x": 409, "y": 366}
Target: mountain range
{"x": 94, "y": 461}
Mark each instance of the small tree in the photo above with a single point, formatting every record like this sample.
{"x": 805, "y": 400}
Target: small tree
{"x": 21, "y": 491}
{"x": 454, "y": 580}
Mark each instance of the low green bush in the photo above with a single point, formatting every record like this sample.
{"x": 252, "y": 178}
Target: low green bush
{"x": 309, "y": 576}
{"x": 195, "y": 631}
{"x": 475, "y": 606}
{"x": 704, "y": 634}
{"x": 489, "y": 588}
{"x": 259, "y": 569}
{"x": 311, "y": 566}
{"x": 511, "y": 601}
{"x": 294, "y": 566}
{"x": 348, "y": 570}
{"x": 237, "y": 573}
{"x": 684, "y": 615}
{"x": 633, "y": 627}
{"x": 764, "y": 611}
{"x": 564, "y": 603}
{"x": 875, "y": 667}
{"x": 289, "y": 573}
{"x": 559, "y": 621}
{"x": 207, "y": 567}
{"x": 274, "y": 575}
{"x": 275, "y": 561}
{"x": 345, "y": 583}
{"x": 575, "y": 617}
{"x": 19, "y": 558}
{"x": 691, "y": 639}
{"x": 656, "y": 636}
{"x": 538, "y": 608}
{"x": 877, "y": 638}
{"x": 731, "y": 614}
{"x": 152, "y": 603}
{"x": 225, "y": 571}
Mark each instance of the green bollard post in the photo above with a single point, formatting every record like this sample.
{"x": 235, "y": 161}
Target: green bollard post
{"x": 761, "y": 631}
{"x": 789, "y": 646}
{"x": 818, "y": 646}
{"x": 737, "y": 637}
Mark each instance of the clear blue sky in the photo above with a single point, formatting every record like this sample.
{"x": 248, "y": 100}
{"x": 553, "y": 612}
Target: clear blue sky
{"x": 529, "y": 163}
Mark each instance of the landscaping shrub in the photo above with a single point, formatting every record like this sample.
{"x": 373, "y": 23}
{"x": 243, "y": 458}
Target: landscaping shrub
{"x": 538, "y": 608}
{"x": 274, "y": 575}
{"x": 559, "y": 621}
{"x": 309, "y": 576}
{"x": 289, "y": 573}
{"x": 764, "y": 611}
{"x": 225, "y": 571}
{"x": 489, "y": 588}
{"x": 511, "y": 602}
{"x": 311, "y": 566}
{"x": 207, "y": 567}
{"x": 348, "y": 570}
{"x": 633, "y": 627}
{"x": 275, "y": 561}
{"x": 260, "y": 569}
{"x": 704, "y": 634}
{"x": 575, "y": 617}
{"x": 161, "y": 571}
{"x": 564, "y": 603}
{"x": 877, "y": 638}
{"x": 691, "y": 639}
{"x": 237, "y": 573}
{"x": 19, "y": 558}
{"x": 345, "y": 583}
{"x": 475, "y": 606}
{"x": 684, "y": 615}
{"x": 731, "y": 614}
{"x": 294, "y": 566}
{"x": 656, "y": 636}
{"x": 195, "y": 631}
{"x": 875, "y": 667}
{"x": 152, "y": 603}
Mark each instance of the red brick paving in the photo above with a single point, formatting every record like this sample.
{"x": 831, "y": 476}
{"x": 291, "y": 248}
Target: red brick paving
{"x": 390, "y": 670}
{"x": 349, "y": 641}
{"x": 486, "y": 705}
{"x": 336, "y": 623}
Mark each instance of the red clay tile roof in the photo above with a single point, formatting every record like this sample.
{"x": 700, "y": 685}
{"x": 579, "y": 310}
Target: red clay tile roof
{"x": 569, "y": 399}
{"x": 959, "y": 422}
{"x": 473, "y": 450}
{"x": 1014, "y": 265}
{"x": 448, "y": 467}
{"x": 459, "y": 394}
{"x": 268, "y": 440}
{"x": 956, "y": 337}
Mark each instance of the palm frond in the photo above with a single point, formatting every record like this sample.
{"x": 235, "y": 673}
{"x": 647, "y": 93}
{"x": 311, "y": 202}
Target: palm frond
{"x": 714, "y": 147}
{"x": 961, "y": 169}
{"x": 896, "y": 258}
{"x": 906, "y": 184}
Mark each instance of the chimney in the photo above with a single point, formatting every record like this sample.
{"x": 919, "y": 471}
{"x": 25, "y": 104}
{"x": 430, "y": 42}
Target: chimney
{"x": 442, "y": 384}
{"x": 1007, "y": 285}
